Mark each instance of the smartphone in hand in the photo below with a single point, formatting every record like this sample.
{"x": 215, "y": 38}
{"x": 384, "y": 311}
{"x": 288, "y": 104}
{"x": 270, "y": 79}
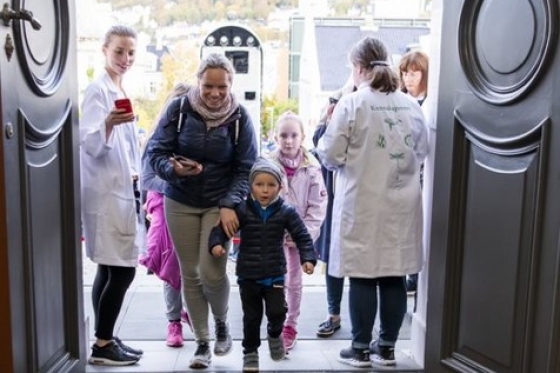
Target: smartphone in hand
{"x": 124, "y": 103}
{"x": 186, "y": 161}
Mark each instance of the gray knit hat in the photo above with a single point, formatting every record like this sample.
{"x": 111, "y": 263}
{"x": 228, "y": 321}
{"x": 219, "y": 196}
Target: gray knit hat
{"x": 266, "y": 166}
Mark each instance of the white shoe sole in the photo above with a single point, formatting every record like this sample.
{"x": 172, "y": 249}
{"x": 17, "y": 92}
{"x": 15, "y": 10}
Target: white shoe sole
{"x": 383, "y": 362}
{"x": 355, "y": 363}
{"x": 108, "y": 362}
{"x": 199, "y": 364}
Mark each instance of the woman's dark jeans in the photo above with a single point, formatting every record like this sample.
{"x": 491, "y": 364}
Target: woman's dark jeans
{"x": 335, "y": 288}
{"x": 363, "y": 308}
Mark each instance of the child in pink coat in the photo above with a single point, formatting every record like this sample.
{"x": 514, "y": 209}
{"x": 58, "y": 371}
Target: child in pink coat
{"x": 160, "y": 256}
{"x": 305, "y": 190}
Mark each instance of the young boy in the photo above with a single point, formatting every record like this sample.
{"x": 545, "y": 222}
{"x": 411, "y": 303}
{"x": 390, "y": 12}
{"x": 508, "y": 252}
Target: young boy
{"x": 261, "y": 265}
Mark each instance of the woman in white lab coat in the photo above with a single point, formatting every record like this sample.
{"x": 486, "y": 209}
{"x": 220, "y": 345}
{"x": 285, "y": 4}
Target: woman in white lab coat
{"x": 376, "y": 142}
{"x": 110, "y": 166}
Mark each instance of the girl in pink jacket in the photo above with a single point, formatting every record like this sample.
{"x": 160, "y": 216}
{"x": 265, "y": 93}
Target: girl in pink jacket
{"x": 305, "y": 190}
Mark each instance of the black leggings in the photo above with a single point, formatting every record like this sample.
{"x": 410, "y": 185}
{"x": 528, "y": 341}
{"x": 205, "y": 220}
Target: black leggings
{"x": 109, "y": 288}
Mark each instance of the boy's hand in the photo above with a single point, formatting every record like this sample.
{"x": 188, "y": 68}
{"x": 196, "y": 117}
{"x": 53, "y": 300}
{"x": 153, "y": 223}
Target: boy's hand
{"x": 218, "y": 251}
{"x": 308, "y": 267}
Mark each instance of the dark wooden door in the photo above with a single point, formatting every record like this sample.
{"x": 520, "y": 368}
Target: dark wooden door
{"x": 493, "y": 297}
{"x": 41, "y": 317}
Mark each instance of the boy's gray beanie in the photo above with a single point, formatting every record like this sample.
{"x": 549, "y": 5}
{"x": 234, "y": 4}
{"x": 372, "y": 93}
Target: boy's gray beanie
{"x": 266, "y": 166}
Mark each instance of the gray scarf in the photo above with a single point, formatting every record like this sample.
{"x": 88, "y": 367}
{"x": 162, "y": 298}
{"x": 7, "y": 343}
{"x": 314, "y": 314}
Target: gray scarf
{"x": 212, "y": 117}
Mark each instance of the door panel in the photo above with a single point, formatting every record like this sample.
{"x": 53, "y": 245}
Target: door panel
{"x": 494, "y": 247}
{"x": 41, "y": 190}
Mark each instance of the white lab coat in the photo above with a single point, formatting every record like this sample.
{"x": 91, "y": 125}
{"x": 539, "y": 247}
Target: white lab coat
{"x": 376, "y": 143}
{"x": 112, "y": 229}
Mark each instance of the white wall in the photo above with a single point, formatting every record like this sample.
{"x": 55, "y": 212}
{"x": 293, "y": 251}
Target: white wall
{"x": 418, "y": 327}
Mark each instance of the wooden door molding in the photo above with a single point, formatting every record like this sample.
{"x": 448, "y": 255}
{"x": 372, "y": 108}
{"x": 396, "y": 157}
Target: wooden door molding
{"x": 43, "y": 56}
{"x": 41, "y": 167}
{"x": 491, "y": 275}
{"x": 494, "y": 273}
{"x": 6, "y": 353}
{"x": 529, "y": 35}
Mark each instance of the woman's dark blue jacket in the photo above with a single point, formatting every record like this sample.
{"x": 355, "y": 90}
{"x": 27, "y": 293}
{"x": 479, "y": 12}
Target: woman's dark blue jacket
{"x": 226, "y": 157}
{"x": 261, "y": 251}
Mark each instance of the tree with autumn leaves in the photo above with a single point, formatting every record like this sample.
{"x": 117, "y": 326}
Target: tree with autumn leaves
{"x": 181, "y": 66}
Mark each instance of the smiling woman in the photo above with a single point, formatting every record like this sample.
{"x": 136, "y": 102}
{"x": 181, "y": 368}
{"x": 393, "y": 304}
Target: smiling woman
{"x": 110, "y": 168}
{"x": 217, "y": 133}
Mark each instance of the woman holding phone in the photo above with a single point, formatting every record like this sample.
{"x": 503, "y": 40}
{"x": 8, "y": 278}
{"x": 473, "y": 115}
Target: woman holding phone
{"x": 204, "y": 147}
{"x": 110, "y": 170}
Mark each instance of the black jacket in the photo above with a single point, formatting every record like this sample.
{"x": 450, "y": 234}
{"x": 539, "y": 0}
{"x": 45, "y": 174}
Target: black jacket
{"x": 261, "y": 251}
{"x": 226, "y": 165}
{"x": 324, "y": 241}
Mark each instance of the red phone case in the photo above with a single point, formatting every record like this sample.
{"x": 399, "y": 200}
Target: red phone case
{"x": 124, "y": 103}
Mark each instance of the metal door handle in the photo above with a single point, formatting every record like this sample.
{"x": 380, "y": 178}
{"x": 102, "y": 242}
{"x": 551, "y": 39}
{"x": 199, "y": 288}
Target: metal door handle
{"x": 8, "y": 14}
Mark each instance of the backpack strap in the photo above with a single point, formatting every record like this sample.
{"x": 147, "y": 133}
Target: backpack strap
{"x": 180, "y": 114}
{"x": 236, "y": 133}
{"x": 236, "y": 128}
{"x": 180, "y": 123}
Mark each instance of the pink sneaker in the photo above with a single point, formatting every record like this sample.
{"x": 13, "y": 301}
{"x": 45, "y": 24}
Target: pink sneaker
{"x": 289, "y": 336}
{"x": 174, "y": 334}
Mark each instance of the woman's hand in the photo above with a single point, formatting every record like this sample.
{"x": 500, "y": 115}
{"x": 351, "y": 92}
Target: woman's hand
{"x": 185, "y": 167}
{"x": 229, "y": 221}
{"x": 117, "y": 117}
{"x": 328, "y": 114}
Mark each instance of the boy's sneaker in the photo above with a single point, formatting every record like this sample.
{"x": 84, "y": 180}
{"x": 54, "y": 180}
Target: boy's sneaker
{"x": 251, "y": 362}
{"x": 382, "y": 355}
{"x": 276, "y": 347}
{"x": 129, "y": 350}
{"x": 355, "y": 357}
{"x": 202, "y": 357}
{"x": 174, "y": 334}
{"x": 223, "y": 343}
{"x": 289, "y": 336}
{"x": 328, "y": 327}
{"x": 111, "y": 354}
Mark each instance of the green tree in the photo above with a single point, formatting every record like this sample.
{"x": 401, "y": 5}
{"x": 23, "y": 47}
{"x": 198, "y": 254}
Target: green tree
{"x": 271, "y": 109}
{"x": 179, "y": 66}
{"x": 147, "y": 112}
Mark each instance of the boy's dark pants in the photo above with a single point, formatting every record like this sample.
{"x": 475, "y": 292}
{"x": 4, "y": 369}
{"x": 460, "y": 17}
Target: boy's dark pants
{"x": 252, "y": 296}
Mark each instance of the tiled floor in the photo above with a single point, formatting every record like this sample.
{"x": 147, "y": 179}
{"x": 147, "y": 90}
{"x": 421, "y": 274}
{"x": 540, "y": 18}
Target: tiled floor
{"x": 307, "y": 356}
{"x": 142, "y": 324}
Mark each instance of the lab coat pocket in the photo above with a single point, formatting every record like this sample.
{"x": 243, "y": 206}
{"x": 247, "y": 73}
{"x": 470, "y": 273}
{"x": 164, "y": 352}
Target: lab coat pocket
{"x": 121, "y": 216}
